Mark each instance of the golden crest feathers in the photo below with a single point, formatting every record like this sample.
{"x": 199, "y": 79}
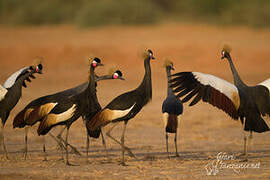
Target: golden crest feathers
{"x": 167, "y": 62}
{"x": 38, "y": 60}
{"x": 90, "y": 59}
{"x": 143, "y": 53}
{"x": 227, "y": 48}
{"x": 112, "y": 70}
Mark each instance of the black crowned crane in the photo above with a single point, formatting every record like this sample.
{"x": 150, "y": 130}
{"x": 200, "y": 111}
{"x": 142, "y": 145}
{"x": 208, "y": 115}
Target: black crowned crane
{"x": 93, "y": 111}
{"x": 65, "y": 111}
{"x": 171, "y": 109}
{"x": 37, "y": 109}
{"x": 117, "y": 74}
{"x": 10, "y": 94}
{"x": 238, "y": 100}
{"x": 125, "y": 106}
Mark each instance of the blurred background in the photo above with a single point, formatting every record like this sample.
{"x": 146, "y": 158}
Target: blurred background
{"x": 105, "y": 12}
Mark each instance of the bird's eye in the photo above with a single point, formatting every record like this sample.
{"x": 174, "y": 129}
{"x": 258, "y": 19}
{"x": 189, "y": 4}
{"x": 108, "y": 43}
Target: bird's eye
{"x": 94, "y": 63}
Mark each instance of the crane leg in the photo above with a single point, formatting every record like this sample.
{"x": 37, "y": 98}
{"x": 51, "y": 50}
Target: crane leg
{"x": 166, "y": 137}
{"x": 2, "y": 139}
{"x": 108, "y": 133}
{"x": 58, "y": 139}
{"x": 67, "y": 161}
{"x": 44, "y": 149}
{"x": 245, "y": 145}
{"x": 87, "y": 145}
{"x": 59, "y": 136}
{"x": 67, "y": 158}
{"x": 26, "y": 142}
{"x": 244, "y": 154}
{"x": 245, "y": 140}
{"x": 123, "y": 144}
{"x": 175, "y": 142}
{"x": 104, "y": 144}
{"x": 60, "y": 144}
{"x": 248, "y": 144}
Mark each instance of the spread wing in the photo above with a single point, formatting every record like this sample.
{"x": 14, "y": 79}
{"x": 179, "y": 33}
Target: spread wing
{"x": 209, "y": 88}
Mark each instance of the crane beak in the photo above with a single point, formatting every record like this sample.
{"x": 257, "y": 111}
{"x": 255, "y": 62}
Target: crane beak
{"x": 121, "y": 78}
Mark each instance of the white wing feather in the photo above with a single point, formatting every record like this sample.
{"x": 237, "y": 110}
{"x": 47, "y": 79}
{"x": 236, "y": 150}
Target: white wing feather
{"x": 221, "y": 85}
{"x": 266, "y": 83}
{"x": 11, "y": 80}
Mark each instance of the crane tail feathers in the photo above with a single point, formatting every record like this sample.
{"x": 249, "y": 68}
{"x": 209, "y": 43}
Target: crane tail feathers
{"x": 100, "y": 119}
{"x": 18, "y": 121}
{"x": 45, "y": 126}
{"x": 256, "y": 125}
{"x": 95, "y": 133}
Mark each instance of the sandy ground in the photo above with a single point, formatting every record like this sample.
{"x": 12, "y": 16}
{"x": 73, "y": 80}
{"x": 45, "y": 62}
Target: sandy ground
{"x": 204, "y": 131}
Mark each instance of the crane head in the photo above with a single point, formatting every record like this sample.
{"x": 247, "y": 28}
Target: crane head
{"x": 118, "y": 75}
{"x": 148, "y": 53}
{"x": 225, "y": 53}
{"x": 115, "y": 73}
{"x": 168, "y": 64}
{"x": 96, "y": 62}
{"x": 37, "y": 65}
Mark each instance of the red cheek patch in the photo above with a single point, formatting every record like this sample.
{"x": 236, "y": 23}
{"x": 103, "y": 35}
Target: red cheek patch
{"x": 115, "y": 76}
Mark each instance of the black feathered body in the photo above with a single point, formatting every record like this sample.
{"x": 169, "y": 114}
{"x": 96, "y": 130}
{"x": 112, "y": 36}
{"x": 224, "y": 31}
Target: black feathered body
{"x": 249, "y": 112}
{"x": 172, "y": 107}
{"x": 137, "y": 98}
{"x": 13, "y": 95}
{"x": 127, "y": 105}
{"x": 35, "y": 110}
{"x": 77, "y": 105}
{"x": 249, "y": 103}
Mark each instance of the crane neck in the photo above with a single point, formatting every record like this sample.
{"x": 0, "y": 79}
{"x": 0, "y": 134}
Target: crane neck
{"x": 104, "y": 77}
{"x": 146, "y": 84}
{"x": 91, "y": 84}
{"x": 169, "y": 89}
{"x": 21, "y": 80}
{"x": 237, "y": 80}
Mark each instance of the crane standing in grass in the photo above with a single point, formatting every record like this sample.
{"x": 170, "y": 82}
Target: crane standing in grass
{"x": 238, "y": 100}
{"x": 171, "y": 109}
{"x": 10, "y": 94}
